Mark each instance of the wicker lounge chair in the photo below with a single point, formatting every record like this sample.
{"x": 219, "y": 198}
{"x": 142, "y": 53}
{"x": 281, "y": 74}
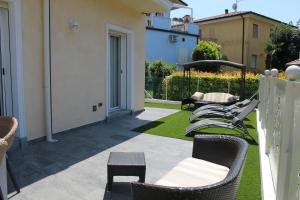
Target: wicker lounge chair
{"x": 8, "y": 127}
{"x": 225, "y": 151}
{"x": 235, "y": 123}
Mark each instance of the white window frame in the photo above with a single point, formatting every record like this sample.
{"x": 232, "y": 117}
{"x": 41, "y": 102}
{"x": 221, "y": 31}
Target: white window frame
{"x": 130, "y": 65}
{"x": 16, "y": 52}
{"x": 15, "y": 21}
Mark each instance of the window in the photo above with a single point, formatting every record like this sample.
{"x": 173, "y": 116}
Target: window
{"x": 255, "y": 31}
{"x": 183, "y": 55}
{"x": 149, "y": 22}
{"x": 254, "y": 61}
{"x": 159, "y": 14}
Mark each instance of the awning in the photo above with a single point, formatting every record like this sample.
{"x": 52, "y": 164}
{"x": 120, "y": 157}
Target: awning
{"x": 148, "y": 6}
{"x": 201, "y": 63}
{"x": 295, "y": 62}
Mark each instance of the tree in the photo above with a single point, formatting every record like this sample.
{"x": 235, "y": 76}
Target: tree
{"x": 157, "y": 71}
{"x": 283, "y": 46}
{"x": 207, "y": 50}
{"x": 298, "y": 24}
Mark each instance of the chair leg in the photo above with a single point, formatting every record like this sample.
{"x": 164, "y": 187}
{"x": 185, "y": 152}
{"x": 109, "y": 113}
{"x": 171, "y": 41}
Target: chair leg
{"x": 246, "y": 132}
{"x": 11, "y": 175}
{"x": 244, "y": 128}
{"x": 1, "y": 195}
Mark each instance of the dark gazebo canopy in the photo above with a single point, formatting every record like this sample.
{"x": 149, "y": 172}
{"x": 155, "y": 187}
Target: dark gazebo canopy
{"x": 204, "y": 63}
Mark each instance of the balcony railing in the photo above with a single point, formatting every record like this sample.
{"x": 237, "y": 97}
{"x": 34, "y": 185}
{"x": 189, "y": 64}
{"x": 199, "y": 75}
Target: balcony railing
{"x": 279, "y": 120}
{"x": 167, "y": 24}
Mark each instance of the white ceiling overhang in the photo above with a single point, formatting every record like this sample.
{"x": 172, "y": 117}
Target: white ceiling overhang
{"x": 148, "y": 6}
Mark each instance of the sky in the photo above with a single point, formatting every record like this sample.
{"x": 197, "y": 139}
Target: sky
{"x": 283, "y": 10}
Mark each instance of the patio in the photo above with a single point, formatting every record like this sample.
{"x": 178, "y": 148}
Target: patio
{"x": 75, "y": 167}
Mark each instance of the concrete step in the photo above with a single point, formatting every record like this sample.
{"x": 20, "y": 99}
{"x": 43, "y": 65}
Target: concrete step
{"x": 116, "y": 115}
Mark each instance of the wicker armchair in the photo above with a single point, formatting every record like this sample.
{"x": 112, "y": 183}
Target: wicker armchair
{"x": 223, "y": 150}
{"x": 8, "y": 127}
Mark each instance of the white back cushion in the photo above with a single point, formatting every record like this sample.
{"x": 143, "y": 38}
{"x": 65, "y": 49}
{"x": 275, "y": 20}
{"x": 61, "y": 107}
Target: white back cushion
{"x": 197, "y": 96}
{"x": 218, "y": 97}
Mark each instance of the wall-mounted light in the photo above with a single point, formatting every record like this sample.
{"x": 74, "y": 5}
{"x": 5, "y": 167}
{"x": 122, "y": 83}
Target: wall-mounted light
{"x": 74, "y": 25}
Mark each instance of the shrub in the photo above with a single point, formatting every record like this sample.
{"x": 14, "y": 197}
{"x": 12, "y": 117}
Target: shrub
{"x": 177, "y": 86}
{"x": 207, "y": 50}
{"x": 160, "y": 69}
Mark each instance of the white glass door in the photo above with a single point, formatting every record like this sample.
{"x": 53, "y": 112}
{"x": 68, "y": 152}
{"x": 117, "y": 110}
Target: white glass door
{"x": 5, "y": 65}
{"x": 115, "y": 72}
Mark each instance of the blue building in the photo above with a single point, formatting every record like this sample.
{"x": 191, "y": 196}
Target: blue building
{"x": 170, "y": 40}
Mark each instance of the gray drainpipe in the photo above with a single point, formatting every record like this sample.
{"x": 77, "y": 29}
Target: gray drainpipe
{"x": 47, "y": 71}
{"x": 243, "y": 38}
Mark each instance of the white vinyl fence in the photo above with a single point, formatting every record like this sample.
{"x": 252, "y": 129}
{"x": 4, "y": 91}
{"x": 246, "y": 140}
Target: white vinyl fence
{"x": 279, "y": 116}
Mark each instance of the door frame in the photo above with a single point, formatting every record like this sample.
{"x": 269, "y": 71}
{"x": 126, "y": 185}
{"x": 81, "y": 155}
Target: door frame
{"x": 16, "y": 48}
{"x": 129, "y": 63}
{"x": 6, "y": 79}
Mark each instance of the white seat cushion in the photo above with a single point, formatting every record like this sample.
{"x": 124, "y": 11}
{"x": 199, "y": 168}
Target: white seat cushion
{"x": 193, "y": 172}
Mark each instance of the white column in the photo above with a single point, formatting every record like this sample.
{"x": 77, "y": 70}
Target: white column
{"x": 3, "y": 179}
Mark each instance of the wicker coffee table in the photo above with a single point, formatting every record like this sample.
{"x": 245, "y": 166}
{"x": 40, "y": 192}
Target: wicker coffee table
{"x": 125, "y": 164}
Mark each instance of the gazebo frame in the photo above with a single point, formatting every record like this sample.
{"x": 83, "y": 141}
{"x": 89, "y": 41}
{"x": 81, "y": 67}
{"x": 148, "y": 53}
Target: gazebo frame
{"x": 203, "y": 63}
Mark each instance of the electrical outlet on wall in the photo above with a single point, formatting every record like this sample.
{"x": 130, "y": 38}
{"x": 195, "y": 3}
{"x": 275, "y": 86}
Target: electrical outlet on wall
{"x": 94, "y": 108}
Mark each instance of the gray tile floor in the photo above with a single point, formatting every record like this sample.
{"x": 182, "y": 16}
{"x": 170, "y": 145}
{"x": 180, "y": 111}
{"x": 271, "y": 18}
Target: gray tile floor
{"x": 75, "y": 167}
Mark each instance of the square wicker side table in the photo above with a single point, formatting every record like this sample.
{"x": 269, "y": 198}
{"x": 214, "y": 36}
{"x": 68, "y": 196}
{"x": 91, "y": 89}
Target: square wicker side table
{"x": 125, "y": 164}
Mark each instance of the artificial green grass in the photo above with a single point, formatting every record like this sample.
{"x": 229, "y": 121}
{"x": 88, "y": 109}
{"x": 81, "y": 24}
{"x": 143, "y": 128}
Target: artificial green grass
{"x": 174, "y": 126}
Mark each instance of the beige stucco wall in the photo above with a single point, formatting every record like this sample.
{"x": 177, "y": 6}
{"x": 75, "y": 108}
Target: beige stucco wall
{"x": 32, "y": 20}
{"x": 257, "y": 46}
{"x": 228, "y": 33}
{"x": 221, "y": 33}
{"x": 78, "y": 61}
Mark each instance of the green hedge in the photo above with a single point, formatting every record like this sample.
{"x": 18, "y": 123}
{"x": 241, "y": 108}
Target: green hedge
{"x": 177, "y": 86}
